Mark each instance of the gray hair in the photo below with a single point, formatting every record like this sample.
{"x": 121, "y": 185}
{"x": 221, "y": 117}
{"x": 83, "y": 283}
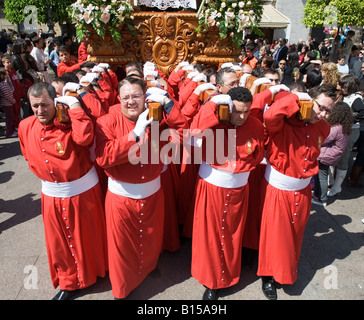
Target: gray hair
{"x": 221, "y": 73}
{"x": 38, "y": 88}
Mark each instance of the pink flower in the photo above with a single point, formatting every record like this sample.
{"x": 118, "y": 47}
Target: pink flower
{"x": 105, "y": 17}
{"x": 87, "y": 17}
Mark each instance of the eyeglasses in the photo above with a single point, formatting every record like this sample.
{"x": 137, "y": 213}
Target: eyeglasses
{"x": 232, "y": 84}
{"x": 322, "y": 108}
{"x": 134, "y": 98}
{"x": 283, "y": 64}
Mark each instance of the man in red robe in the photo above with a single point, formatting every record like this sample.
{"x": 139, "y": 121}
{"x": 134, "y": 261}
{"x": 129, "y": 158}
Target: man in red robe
{"x": 134, "y": 203}
{"x": 221, "y": 196}
{"x": 292, "y": 152}
{"x": 72, "y": 203}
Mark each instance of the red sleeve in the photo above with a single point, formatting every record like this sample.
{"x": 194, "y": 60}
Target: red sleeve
{"x": 93, "y": 106}
{"x": 206, "y": 118}
{"x": 114, "y": 79}
{"x": 191, "y": 107}
{"x": 283, "y": 108}
{"x": 186, "y": 92}
{"x": 82, "y": 52}
{"x": 260, "y": 100}
{"x": 106, "y": 86}
{"x": 175, "y": 120}
{"x": 82, "y": 127}
{"x": 111, "y": 150}
{"x": 103, "y": 96}
{"x": 174, "y": 81}
{"x": 62, "y": 68}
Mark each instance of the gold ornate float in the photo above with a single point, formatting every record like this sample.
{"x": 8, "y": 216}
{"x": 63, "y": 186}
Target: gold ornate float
{"x": 165, "y": 38}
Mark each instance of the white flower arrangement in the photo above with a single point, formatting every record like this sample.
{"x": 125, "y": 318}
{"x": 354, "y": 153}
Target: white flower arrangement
{"x": 231, "y": 17}
{"x": 97, "y": 14}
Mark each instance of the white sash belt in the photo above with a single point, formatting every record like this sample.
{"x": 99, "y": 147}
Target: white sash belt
{"x": 221, "y": 178}
{"x": 72, "y": 188}
{"x": 134, "y": 190}
{"x": 283, "y": 182}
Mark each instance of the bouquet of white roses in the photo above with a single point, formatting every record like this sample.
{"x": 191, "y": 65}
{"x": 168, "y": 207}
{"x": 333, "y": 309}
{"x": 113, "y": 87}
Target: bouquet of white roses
{"x": 98, "y": 14}
{"x": 231, "y": 17}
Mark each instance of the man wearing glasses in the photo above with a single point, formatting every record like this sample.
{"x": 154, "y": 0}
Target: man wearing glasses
{"x": 226, "y": 79}
{"x": 292, "y": 152}
{"x": 134, "y": 204}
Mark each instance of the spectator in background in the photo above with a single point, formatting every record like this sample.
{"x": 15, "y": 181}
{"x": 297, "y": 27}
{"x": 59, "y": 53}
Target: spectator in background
{"x": 330, "y": 74}
{"x": 302, "y": 54}
{"x": 282, "y": 51}
{"x": 291, "y": 72}
{"x": 347, "y": 45}
{"x": 6, "y": 102}
{"x": 355, "y": 62}
{"x": 281, "y": 66}
{"x": 354, "y": 57}
{"x": 250, "y": 59}
{"x": 323, "y": 49}
{"x": 16, "y": 88}
{"x": 19, "y": 65}
{"x": 307, "y": 65}
{"x": 262, "y": 54}
{"x": 342, "y": 66}
{"x": 54, "y": 58}
{"x": 349, "y": 86}
{"x": 332, "y": 149}
{"x": 40, "y": 58}
{"x": 9, "y": 50}
{"x": 313, "y": 78}
{"x": 362, "y": 77}
{"x": 267, "y": 62}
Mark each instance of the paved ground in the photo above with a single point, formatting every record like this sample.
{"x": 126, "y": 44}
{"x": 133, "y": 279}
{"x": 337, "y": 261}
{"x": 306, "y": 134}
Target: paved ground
{"x": 331, "y": 264}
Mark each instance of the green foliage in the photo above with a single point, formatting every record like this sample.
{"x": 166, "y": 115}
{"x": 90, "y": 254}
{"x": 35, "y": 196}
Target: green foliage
{"x": 14, "y": 10}
{"x": 348, "y": 13}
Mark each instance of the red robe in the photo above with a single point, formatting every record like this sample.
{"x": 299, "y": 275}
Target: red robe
{"x": 67, "y": 67}
{"x": 293, "y": 149}
{"x": 134, "y": 227}
{"x": 175, "y": 80}
{"x": 169, "y": 182}
{"x": 220, "y": 213}
{"x": 256, "y": 177}
{"x": 188, "y": 172}
{"x": 74, "y": 227}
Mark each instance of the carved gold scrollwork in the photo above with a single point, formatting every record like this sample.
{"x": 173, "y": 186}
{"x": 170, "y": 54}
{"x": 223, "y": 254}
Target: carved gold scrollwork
{"x": 166, "y": 40}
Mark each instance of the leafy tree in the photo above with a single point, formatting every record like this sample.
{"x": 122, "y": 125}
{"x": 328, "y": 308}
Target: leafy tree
{"x": 337, "y": 13}
{"x": 14, "y": 10}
